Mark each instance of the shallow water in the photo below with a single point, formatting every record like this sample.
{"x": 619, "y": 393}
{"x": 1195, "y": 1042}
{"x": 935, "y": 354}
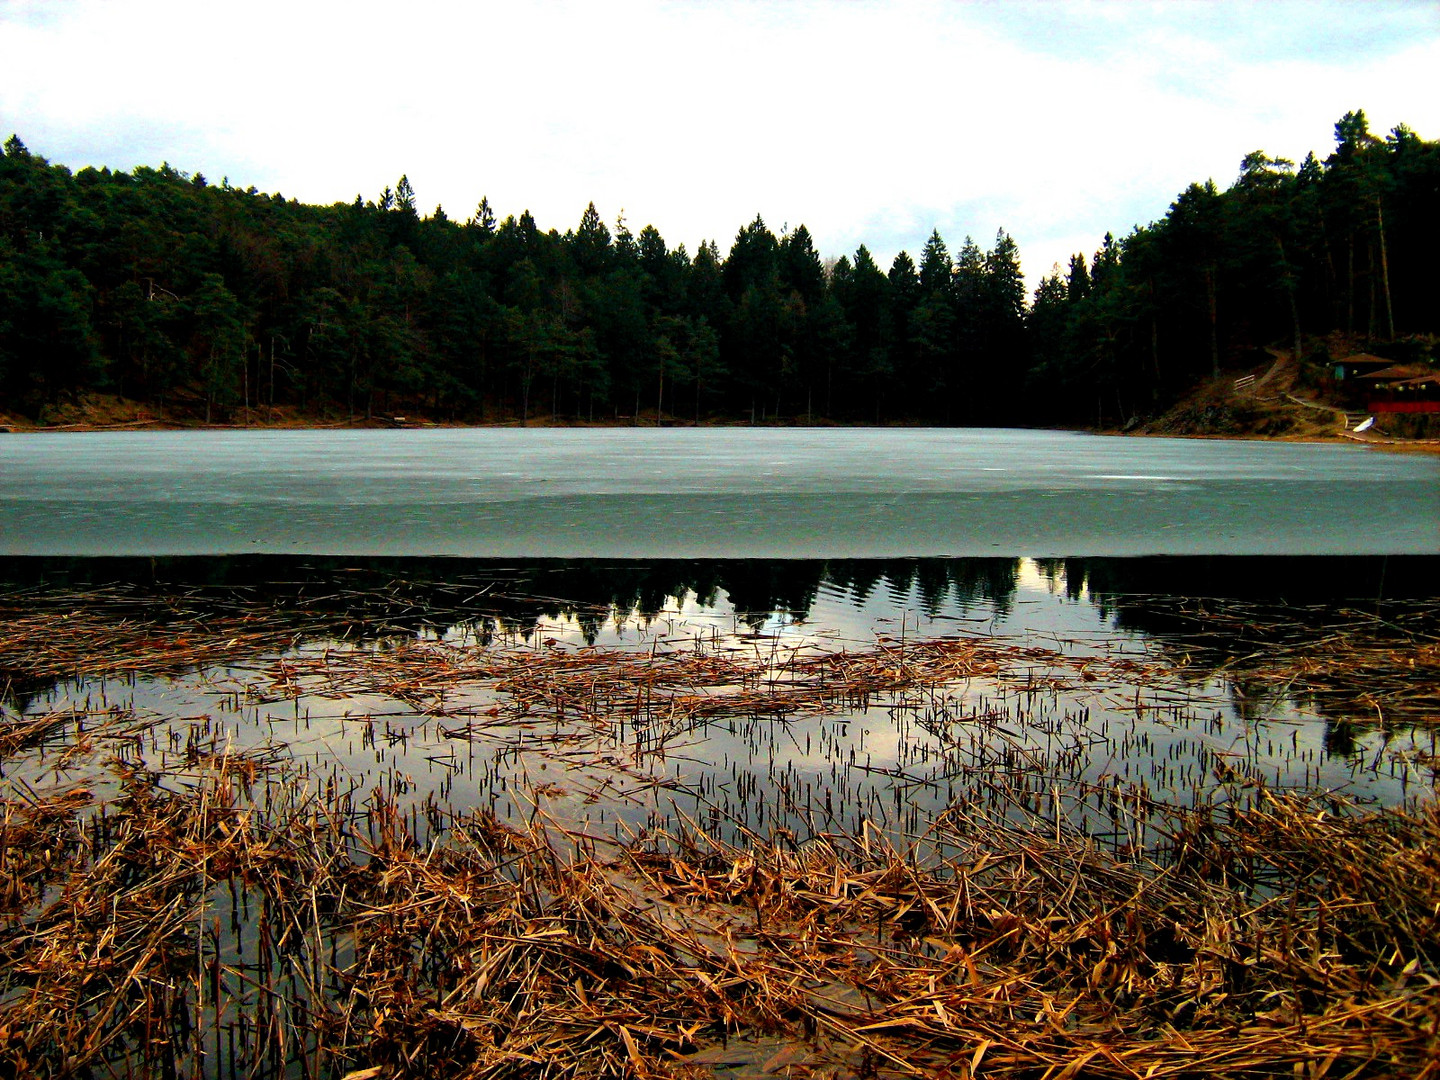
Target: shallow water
{"x": 705, "y": 493}
{"x": 1171, "y": 725}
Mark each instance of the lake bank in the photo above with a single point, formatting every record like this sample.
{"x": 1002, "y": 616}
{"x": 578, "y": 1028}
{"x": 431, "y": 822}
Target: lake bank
{"x": 102, "y": 412}
{"x": 1027, "y": 949}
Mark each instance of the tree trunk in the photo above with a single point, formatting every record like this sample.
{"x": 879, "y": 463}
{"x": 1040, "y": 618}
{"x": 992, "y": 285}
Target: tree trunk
{"x": 1154, "y": 345}
{"x": 1350, "y": 284}
{"x": 1372, "y": 308}
{"x": 1332, "y": 286}
{"x": 525, "y": 390}
{"x": 1213, "y": 310}
{"x": 1290, "y": 286}
{"x": 1154, "y": 359}
{"x": 1385, "y": 269}
{"x": 484, "y": 380}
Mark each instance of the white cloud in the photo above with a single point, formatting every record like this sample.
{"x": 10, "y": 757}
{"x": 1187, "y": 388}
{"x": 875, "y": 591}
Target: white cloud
{"x": 868, "y": 122}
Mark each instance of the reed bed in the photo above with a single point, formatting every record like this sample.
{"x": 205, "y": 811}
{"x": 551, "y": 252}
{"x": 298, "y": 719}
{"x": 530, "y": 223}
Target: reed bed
{"x": 190, "y": 929}
{"x": 682, "y": 683}
{"x": 1382, "y": 664}
{"x": 223, "y": 913}
{"x": 1379, "y": 667}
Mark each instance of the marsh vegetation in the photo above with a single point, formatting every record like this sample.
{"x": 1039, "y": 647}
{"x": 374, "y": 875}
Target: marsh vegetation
{"x": 919, "y": 817}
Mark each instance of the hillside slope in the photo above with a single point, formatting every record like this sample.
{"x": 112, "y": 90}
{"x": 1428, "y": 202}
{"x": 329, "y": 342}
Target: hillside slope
{"x": 1284, "y": 399}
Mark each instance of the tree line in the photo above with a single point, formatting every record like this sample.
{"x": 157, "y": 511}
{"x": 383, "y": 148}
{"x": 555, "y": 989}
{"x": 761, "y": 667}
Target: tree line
{"x": 160, "y": 286}
{"x": 1335, "y": 253}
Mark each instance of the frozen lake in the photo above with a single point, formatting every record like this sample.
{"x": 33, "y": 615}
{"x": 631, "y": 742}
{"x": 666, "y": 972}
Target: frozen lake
{"x": 711, "y": 492}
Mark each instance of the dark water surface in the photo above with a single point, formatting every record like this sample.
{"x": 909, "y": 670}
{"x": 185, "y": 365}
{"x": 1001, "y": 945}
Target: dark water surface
{"x": 1206, "y": 637}
{"x": 706, "y": 493}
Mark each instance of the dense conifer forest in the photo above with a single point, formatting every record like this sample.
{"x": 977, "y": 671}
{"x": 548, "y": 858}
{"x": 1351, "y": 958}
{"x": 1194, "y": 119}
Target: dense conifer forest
{"x": 159, "y": 286}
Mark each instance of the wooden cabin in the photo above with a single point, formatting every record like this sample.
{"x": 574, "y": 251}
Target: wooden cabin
{"x": 1358, "y": 364}
{"x": 1401, "y": 388}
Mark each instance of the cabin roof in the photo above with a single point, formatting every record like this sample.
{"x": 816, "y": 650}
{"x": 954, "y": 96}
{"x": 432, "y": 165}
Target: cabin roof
{"x": 1399, "y": 373}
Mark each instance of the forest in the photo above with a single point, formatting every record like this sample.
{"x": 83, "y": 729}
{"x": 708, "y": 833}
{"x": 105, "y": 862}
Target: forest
{"x": 159, "y": 286}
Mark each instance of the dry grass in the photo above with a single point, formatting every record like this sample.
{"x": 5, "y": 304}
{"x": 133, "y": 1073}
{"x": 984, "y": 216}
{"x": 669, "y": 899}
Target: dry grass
{"x": 188, "y": 930}
{"x": 228, "y": 917}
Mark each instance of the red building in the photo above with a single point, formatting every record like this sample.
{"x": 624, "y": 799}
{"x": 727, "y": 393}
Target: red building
{"x": 1401, "y": 388}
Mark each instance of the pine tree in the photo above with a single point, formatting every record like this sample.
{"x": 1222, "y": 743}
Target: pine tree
{"x": 484, "y": 218}
{"x": 800, "y": 268}
{"x": 405, "y": 196}
{"x": 591, "y": 243}
{"x": 935, "y": 266}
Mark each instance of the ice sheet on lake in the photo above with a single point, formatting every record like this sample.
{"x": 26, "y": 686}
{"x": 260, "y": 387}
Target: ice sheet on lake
{"x": 713, "y": 492}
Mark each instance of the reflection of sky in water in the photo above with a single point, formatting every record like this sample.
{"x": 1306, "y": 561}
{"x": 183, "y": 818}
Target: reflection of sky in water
{"x": 1038, "y": 612}
{"x": 891, "y": 763}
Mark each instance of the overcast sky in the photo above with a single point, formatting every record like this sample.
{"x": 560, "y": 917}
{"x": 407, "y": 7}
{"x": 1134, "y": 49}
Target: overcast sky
{"x": 868, "y": 122}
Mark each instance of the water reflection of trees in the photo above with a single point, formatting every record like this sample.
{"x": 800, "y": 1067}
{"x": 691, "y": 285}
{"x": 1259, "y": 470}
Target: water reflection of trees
{"x": 308, "y": 598}
{"x": 1342, "y": 631}
{"x": 380, "y": 597}
{"x": 937, "y": 583}
{"x": 1225, "y": 616}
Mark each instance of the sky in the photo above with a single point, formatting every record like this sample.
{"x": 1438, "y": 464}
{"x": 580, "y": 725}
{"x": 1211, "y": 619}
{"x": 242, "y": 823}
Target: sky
{"x": 867, "y": 122}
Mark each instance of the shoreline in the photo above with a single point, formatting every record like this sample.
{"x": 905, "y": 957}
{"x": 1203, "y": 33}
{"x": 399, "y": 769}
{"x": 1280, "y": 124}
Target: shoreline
{"x": 105, "y": 412}
{"x": 10, "y": 426}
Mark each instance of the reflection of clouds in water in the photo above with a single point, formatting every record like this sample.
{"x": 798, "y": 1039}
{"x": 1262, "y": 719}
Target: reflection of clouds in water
{"x": 1039, "y": 610}
{"x": 905, "y": 751}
